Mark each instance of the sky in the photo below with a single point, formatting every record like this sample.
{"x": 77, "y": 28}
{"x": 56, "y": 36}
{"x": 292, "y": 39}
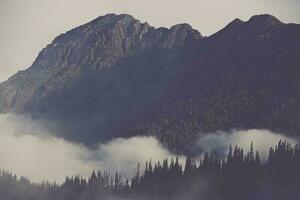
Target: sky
{"x": 27, "y": 26}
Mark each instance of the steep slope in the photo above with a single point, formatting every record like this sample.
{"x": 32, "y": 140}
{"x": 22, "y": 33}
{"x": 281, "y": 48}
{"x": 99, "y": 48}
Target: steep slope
{"x": 245, "y": 76}
{"x": 94, "y": 80}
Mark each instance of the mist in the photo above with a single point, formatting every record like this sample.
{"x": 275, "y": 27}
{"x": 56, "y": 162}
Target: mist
{"x": 28, "y": 149}
{"x": 218, "y": 143}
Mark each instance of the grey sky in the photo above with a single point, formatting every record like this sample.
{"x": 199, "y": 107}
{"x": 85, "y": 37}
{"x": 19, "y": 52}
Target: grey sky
{"x": 27, "y": 26}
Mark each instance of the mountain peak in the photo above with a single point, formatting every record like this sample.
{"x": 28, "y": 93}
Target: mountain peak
{"x": 181, "y": 26}
{"x": 183, "y": 29}
{"x": 229, "y": 28}
{"x": 114, "y": 18}
{"x": 264, "y": 19}
{"x": 236, "y": 21}
{"x": 121, "y": 17}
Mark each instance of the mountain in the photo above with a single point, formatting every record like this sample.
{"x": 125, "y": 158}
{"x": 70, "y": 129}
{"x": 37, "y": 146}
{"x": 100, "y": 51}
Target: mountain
{"x": 98, "y": 77}
{"x": 245, "y": 76}
{"x": 116, "y": 76}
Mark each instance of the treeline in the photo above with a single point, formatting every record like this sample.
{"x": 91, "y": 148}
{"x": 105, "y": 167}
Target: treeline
{"x": 242, "y": 175}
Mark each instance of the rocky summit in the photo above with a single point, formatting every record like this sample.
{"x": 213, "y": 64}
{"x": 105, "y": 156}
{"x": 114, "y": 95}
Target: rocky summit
{"x": 116, "y": 76}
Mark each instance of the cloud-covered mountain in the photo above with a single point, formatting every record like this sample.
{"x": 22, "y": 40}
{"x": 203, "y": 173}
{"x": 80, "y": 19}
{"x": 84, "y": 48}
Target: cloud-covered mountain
{"x": 116, "y": 76}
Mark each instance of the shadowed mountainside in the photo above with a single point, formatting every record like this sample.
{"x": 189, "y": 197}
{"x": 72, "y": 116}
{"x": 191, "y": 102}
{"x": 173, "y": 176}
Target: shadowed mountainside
{"x": 116, "y": 76}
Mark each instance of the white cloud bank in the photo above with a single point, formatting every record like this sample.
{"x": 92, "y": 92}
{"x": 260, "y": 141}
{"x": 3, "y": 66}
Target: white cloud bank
{"x": 262, "y": 139}
{"x": 26, "y": 148}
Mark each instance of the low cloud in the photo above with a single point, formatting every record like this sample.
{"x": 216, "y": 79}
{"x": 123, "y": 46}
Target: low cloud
{"x": 124, "y": 154}
{"x": 26, "y": 148}
{"x": 218, "y": 143}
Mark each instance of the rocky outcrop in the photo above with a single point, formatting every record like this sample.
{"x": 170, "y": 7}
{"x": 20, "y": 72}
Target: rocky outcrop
{"x": 91, "y": 47}
{"x": 94, "y": 72}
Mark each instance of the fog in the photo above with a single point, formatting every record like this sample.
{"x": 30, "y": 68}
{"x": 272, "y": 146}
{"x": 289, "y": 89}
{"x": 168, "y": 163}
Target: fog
{"x": 219, "y": 142}
{"x": 28, "y": 149}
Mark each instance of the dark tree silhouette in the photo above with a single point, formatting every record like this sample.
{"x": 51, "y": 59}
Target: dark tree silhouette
{"x": 240, "y": 176}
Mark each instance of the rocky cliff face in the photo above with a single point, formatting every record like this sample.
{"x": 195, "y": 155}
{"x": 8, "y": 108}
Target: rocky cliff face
{"x": 99, "y": 72}
{"x": 116, "y": 74}
{"x": 92, "y": 47}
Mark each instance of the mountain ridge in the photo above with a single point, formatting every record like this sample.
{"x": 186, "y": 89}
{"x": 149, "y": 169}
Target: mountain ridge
{"x": 106, "y": 78}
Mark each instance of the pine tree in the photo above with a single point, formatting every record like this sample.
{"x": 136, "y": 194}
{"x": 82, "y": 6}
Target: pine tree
{"x": 251, "y": 154}
{"x": 257, "y": 158}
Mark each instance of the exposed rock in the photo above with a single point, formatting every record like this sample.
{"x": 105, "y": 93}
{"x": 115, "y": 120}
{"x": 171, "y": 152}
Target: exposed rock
{"x": 102, "y": 78}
